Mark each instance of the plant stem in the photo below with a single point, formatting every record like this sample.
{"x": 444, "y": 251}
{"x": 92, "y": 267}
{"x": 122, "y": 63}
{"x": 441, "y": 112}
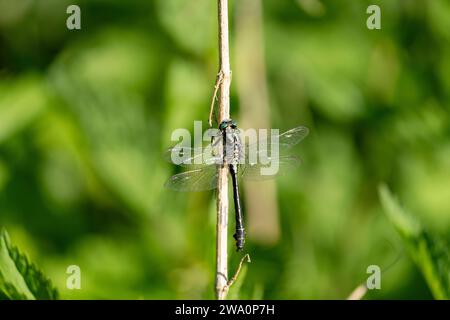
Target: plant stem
{"x": 358, "y": 293}
{"x": 222, "y": 181}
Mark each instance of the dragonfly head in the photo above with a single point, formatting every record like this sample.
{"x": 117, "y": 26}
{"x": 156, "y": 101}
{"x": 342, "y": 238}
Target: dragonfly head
{"x": 228, "y": 123}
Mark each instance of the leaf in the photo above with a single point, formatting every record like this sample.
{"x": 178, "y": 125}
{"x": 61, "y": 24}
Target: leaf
{"x": 430, "y": 253}
{"x": 19, "y": 278}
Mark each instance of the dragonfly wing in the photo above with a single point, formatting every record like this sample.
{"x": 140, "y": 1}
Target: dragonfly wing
{"x": 285, "y": 141}
{"x": 185, "y": 156}
{"x": 195, "y": 180}
{"x": 292, "y": 137}
{"x": 279, "y": 166}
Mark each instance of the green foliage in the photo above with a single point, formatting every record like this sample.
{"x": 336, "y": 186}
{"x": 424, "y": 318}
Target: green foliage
{"x": 199, "y": 22}
{"x": 86, "y": 115}
{"x": 20, "y": 279}
{"x": 20, "y": 103}
{"x": 429, "y": 252}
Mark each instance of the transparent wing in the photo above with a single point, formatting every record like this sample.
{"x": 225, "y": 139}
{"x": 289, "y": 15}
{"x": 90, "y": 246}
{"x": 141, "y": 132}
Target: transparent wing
{"x": 195, "y": 180}
{"x": 185, "y": 156}
{"x": 285, "y": 141}
{"x": 293, "y": 136}
{"x": 279, "y": 166}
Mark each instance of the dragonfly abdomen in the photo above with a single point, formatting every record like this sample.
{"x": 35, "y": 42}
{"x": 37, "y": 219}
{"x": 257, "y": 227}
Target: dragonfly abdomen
{"x": 239, "y": 235}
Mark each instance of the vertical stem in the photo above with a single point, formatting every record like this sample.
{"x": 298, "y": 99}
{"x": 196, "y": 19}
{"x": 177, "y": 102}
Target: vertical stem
{"x": 224, "y": 61}
{"x": 222, "y": 181}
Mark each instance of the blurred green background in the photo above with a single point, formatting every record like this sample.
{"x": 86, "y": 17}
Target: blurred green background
{"x": 85, "y": 116}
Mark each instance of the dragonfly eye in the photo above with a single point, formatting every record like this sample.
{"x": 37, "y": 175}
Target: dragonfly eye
{"x": 223, "y": 124}
{"x": 233, "y": 124}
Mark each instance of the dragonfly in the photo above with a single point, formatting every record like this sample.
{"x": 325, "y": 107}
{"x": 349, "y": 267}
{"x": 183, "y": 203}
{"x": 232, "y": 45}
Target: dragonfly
{"x": 244, "y": 160}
